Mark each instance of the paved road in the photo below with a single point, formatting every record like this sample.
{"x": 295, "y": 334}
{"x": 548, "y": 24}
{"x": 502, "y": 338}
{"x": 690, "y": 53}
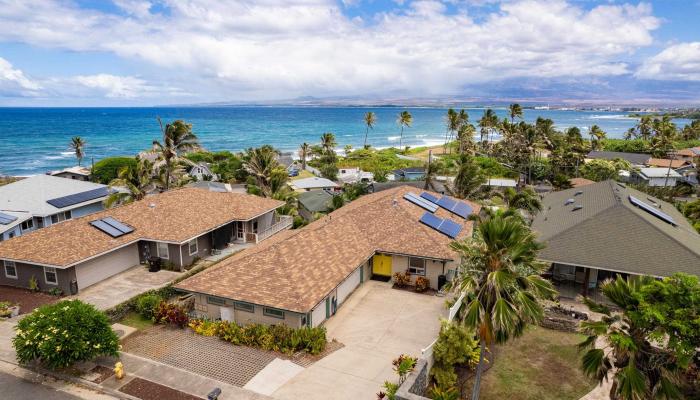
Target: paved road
{"x": 18, "y": 388}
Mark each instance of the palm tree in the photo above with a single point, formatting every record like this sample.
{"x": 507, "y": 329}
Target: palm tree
{"x": 261, "y": 164}
{"x": 178, "y": 139}
{"x": 77, "y": 144}
{"x": 370, "y": 119}
{"x": 304, "y": 153}
{"x": 597, "y": 136}
{"x": 328, "y": 142}
{"x": 451, "y": 124}
{"x": 515, "y": 110}
{"x": 525, "y": 199}
{"x": 404, "y": 119}
{"x": 133, "y": 183}
{"x": 642, "y": 369}
{"x": 487, "y": 123}
{"x": 469, "y": 177}
{"x": 465, "y": 137}
{"x": 500, "y": 276}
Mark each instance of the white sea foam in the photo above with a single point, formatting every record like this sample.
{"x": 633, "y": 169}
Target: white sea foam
{"x": 393, "y": 138}
{"x": 67, "y": 153}
{"x": 615, "y": 116}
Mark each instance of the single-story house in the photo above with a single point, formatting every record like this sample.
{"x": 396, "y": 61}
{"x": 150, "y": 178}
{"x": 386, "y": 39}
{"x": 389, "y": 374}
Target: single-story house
{"x": 314, "y": 183}
{"x": 78, "y": 172}
{"x": 409, "y": 174}
{"x": 677, "y": 164}
{"x": 596, "y": 231}
{"x": 42, "y": 200}
{"x": 689, "y": 154}
{"x": 354, "y": 175}
{"x": 177, "y": 226}
{"x": 657, "y": 176}
{"x": 636, "y": 159}
{"x": 301, "y": 277}
{"x": 314, "y": 201}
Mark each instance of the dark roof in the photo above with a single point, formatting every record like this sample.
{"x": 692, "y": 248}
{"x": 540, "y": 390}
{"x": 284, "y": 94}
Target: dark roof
{"x": 209, "y": 185}
{"x": 438, "y": 187}
{"x": 413, "y": 170}
{"x": 634, "y": 158}
{"x": 609, "y": 232}
{"x": 315, "y": 200}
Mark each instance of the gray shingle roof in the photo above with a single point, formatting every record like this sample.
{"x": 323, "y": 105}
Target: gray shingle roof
{"x": 315, "y": 200}
{"x": 634, "y": 158}
{"x": 611, "y": 233}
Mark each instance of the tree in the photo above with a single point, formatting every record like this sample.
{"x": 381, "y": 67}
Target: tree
{"x": 691, "y": 131}
{"x": 404, "y": 119}
{"x": 526, "y": 200}
{"x": 487, "y": 123}
{"x": 107, "y": 169}
{"x": 177, "y": 140}
{"x": 260, "y": 163}
{"x": 328, "y": 158}
{"x": 132, "y": 183}
{"x": 77, "y": 144}
{"x": 501, "y": 278}
{"x": 370, "y": 119}
{"x": 599, "y": 170}
{"x": 515, "y": 111}
{"x": 643, "y": 367}
{"x": 597, "y": 136}
{"x": 469, "y": 177}
{"x": 304, "y": 152}
{"x": 455, "y": 345}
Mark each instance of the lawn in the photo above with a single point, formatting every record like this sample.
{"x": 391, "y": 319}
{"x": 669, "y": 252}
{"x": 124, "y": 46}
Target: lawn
{"x": 542, "y": 364}
{"x": 302, "y": 174}
{"x": 135, "y": 320}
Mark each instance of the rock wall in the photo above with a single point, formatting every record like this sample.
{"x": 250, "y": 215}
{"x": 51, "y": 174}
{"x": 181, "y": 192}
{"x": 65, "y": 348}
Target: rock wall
{"x": 416, "y": 383}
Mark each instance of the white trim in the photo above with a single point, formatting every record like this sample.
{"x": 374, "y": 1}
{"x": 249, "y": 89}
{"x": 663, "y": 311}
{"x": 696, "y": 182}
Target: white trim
{"x": 14, "y": 265}
{"x": 55, "y": 273}
{"x": 167, "y": 250}
{"x": 196, "y": 247}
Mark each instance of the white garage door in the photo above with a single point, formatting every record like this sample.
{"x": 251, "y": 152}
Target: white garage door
{"x": 348, "y": 286}
{"x": 103, "y": 267}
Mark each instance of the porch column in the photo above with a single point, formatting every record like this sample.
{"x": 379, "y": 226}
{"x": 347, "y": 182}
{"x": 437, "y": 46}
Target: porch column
{"x": 586, "y": 279}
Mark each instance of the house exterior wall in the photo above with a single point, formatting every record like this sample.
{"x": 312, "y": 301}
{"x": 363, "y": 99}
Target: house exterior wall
{"x": 26, "y": 271}
{"x": 147, "y": 248}
{"x": 306, "y": 214}
{"x": 70, "y": 175}
{"x": 15, "y": 231}
{"x": 213, "y": 311}
{"x": 433, "y": 269}
{"x": 87, "y": 209}
{"x": 662, "y": 181}
{"x": 203, "y": 250}
{"x": 106, "y": 265}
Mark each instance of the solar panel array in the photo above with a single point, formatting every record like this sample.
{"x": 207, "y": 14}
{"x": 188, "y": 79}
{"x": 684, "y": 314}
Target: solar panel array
{"x": 7, "y": 218}
{"x": 429, "y": 197}
{"x": 421, "y": 202}
{"x": 112, "y": 227}
{"x": 444, "y": 226}
{"x": 66, "y": 201}
{"x": 455, "y": 207}
{"x": 652, "y": 210}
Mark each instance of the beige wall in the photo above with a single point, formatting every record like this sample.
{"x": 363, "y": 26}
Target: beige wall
{"x": 432, "y": 269}
{"x": 212, "y": 311}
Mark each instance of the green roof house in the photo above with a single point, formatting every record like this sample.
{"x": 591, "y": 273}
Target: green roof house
{"x": 313, "y": 202}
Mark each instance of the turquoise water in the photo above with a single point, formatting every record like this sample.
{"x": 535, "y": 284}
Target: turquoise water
{"x": 35, "y": 140}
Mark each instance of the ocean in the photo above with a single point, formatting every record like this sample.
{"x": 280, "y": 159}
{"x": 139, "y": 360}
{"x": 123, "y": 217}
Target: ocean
{"x": 35, "y": 140}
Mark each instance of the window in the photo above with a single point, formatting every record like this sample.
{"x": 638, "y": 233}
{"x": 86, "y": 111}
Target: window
{"x": 271, "y": 312}
{"x": 255, "y": 226}
{"x": 240, "y": 306}
{"x": 216, "y": 301}
{"x": 10, "y": 269}
{"x": 11, "y": 235}
{"x": 162, "y": 250}
{"x": 416, "y": 266}
{"x": 50, "y": 276}
{"x": 193, "y": 246}
{"x": 60, "y": 217}
{"x": 28, "y": 224}
{"x": 303, "y": 320}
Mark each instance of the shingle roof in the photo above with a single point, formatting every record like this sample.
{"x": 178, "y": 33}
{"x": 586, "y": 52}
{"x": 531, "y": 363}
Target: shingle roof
{"x": 175, "y": 216}
{"x": 634, "y": 158}
{"x": 578, "y": 182}
{"x": 659, "y": 173}
{"x": 611, "y": 233}
{"x": 664, "y": 162}
{"x": 295, "y": 270}
{"x": 315, "y": 200}
{"x": 312, "y": 183}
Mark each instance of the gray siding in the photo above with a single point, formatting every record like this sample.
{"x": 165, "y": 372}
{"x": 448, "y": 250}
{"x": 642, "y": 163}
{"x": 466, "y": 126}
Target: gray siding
{"x": 26, "y": 271}
{"x": 87, "y": 209}
{"x": 203, "y": 250}
{"x": 213, "y": 311}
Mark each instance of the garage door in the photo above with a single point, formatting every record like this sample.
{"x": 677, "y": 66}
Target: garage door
{"x": 348, "y": 286}
{"x": 103, "y": 267}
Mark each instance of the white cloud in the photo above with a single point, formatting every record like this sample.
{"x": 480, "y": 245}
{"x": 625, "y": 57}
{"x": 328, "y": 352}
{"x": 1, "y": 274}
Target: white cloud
{"x": 115, "y": 86}
{"x": 271, "y": 49}
{"x": 13, "y": 82}
{"x": 679, "y": 62}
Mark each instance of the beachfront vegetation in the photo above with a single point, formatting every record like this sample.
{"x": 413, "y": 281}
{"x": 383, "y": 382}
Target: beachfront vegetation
{"x": 370, "y": 119}
{"x": 404, "y": 120}
{"x": 228, "y": 166}
{"x": 327, "y": 159}
{"x": 107, "y": 169}
{"x": 177, "y": 140}
{"x": 133, "y": 183}
{"x": 77, "y": 144}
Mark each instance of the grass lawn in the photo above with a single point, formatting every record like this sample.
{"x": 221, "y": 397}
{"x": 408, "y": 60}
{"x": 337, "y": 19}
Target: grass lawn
{"x": 135, "y": 320}
{"x": 542, "y": 364}
{"x": 302, "y": 174}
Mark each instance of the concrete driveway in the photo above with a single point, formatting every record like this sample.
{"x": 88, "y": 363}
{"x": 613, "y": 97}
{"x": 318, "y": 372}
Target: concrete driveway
{"x": 123, "y": 286}
{"x": 377, "y": 324}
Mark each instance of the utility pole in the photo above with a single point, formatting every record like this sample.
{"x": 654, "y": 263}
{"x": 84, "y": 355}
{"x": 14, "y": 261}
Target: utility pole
{"x": 668, "y": 172}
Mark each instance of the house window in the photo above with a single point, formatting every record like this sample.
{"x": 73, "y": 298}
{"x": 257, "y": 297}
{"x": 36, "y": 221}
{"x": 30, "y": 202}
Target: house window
{"x": 11, "y": 235}
{"x": 240, "y": 306}
{"x": 303, "y": 320}
{"x": 271, "y": 312}
{"x": 50, "y": 276}
{"x": 215, "y": 300}
{"x": 255, "y": 226}
{"x": 193, "y": 246}
{"x": 10, "y": 269}
{"x": 162, "y": 250}
{"x": 416, "y": 266}
{"x": 28, "y": 224}
{"x": 60, "y": 217}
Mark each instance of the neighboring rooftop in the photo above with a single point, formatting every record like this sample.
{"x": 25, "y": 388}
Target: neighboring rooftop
{"x": 659, "y": 173}
{"x": 578, "y": 182}
{"x": 633, "y": 158}
{"x": 312, "y": 183}
{"x": 435, "y": 186}
{"x": 610, "y": 226}
{"x": 664, "y": 163}
{"x": 220, "y": 187}
{"x": 501, "y": 182}
{"x": 315, "y": 200}
{"x": 295, "y": 269}
{"x": 77, "y": 170}
{"x": 175, "y": 217}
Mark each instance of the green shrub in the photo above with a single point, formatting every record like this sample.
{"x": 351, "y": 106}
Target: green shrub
{"x": 146, "y": 304}
{"x": 107, "y": 169}
{"x": 33, "y": 284}
{"x": 56, "y": 292}
{"x": 61, "y": 334}
{"x": 455, "y": 345}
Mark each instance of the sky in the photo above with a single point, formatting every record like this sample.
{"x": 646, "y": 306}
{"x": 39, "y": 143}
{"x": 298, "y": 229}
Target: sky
{"x": 155, "y": 52}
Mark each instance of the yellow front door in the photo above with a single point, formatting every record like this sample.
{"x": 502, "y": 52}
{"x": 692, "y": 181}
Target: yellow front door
{"x": 381, "y": 265}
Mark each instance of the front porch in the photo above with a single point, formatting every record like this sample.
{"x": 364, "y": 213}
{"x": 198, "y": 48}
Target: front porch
{"x": 570, "y": 280}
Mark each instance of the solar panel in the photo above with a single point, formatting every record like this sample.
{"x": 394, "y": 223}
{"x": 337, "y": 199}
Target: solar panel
{"x": 66, "y": 201}
{"x": 420, "y": 202}
{"x": 429, "y": 197}
{"x": 7, "y": 218}
{"x": 431, "y": 220}
{"x": 447, "y": 203}
{"x": 444, "y": 226}
{"x": 456, "y": 207}
{"x": 107, "y": 228}
{"x": 462, "y": 209}
{"x": 653, "y": 211}
{"x": 118, "y": 225}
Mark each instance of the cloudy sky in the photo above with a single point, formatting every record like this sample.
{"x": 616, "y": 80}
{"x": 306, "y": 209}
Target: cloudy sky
{"x": 138, "y": 52}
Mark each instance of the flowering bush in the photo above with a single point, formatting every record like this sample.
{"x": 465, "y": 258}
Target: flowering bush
{"x": 422, "y": 284}
{"x": 402, "y": 279}
{"x": 61, "y": 334}
{"x": 172, "y": 314}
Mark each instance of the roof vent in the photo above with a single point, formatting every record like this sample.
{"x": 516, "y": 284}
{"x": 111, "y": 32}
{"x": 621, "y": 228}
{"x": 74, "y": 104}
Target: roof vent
{"x": 577, "y": 207}
{"x": 578, "y": 193}
{"x": 152, "y": 205}
{"x": 569, "y": 201}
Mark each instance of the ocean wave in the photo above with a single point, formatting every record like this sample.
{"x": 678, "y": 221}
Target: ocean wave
{"x": 420, "y": 136}
{"x": 67, "y": 153}
{"x": 615, "y": 116}
{"x": 393, "y": 138}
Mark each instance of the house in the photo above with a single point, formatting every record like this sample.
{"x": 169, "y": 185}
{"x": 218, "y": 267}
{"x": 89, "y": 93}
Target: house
{"x": 77, "y": 172}
{"x": 220, "y": 187}
{"x": 409, "y": 174}
{"x": 596, "y": 231}
{"x": 177, "y": 226}
{"x": 678, "y": 164}
{"x": 314, "y": 183}
{"x": 657, "y": 176}
{"x": 301, "y": 277}
{"x": 500, "y": 183}
{"x": 287, "y": 161}
{"x": 354, "y": 175}
{"x": 42, "y": 200}
{"x": 314, "y": 201}
{"x": 202, "y": 172}
{"x": 636, "y": 159}
{"x": 689, "y": 154}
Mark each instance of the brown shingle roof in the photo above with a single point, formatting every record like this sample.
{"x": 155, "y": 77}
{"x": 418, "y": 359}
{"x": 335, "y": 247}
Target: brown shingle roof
{"x": 578, "y": 182}
{"x": 295, "y": 270}
{"x": 664, "y": 162}
{"x": 175, "y": 216}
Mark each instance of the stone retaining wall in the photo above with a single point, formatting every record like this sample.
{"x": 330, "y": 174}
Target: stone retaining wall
{"x": 416, "y": 383}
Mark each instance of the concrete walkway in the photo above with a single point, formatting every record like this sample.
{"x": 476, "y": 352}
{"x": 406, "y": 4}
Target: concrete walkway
{"x": 123, "y": 286}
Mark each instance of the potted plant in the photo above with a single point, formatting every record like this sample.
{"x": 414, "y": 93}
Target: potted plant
{"x": 7, "y": 310}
